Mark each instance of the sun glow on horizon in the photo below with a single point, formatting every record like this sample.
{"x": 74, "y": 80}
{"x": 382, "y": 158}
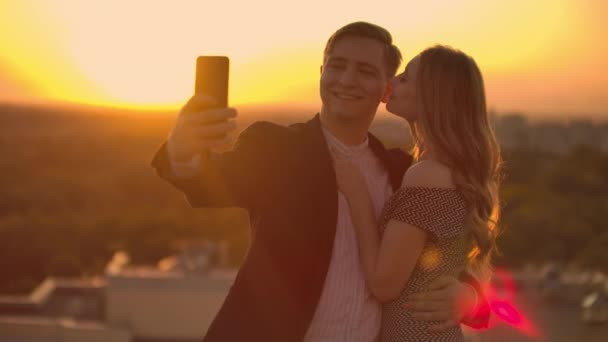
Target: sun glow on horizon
{"x": 142, "y": 54}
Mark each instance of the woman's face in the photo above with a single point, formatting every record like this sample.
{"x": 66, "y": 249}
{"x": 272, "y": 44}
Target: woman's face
{"x": 403, "y": 99}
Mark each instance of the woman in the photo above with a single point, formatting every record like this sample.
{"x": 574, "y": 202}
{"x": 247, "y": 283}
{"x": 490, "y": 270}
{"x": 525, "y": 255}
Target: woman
{"x": 443, "y": 218}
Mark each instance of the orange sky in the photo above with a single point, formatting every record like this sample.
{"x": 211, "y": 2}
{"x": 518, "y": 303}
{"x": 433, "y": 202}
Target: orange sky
{"x": 543, "y": 56}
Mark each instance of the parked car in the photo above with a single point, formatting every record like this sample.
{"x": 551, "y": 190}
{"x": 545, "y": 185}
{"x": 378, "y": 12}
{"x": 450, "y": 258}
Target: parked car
{"x": 594, "y": 307}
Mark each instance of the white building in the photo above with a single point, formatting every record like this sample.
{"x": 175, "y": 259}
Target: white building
{"x": 175, "y": 301}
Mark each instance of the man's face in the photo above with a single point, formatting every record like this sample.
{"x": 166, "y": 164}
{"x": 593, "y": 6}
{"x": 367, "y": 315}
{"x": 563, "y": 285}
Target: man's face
{"x": 353, "y": 79}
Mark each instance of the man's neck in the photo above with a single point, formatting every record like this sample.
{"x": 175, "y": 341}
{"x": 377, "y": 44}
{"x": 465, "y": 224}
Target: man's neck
{"x": 348, "y": 132}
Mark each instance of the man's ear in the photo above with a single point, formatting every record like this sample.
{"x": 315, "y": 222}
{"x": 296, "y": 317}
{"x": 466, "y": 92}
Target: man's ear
{"x": 387, "y": 92}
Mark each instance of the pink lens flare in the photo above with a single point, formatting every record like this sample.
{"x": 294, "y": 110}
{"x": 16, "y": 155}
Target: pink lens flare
{"x": 501, "y": 295}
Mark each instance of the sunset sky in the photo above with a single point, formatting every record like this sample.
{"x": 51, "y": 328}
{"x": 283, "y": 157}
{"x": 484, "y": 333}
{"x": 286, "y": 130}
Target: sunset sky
{"x": 538, "y": 57}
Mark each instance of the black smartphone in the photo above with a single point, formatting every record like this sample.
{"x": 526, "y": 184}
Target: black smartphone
{"x": 212, "y": 78}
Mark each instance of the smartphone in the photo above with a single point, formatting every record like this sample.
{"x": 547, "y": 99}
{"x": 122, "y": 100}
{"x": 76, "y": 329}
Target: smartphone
{"x": 212, "y": 78}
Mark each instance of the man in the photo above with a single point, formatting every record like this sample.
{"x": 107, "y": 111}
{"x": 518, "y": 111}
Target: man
{"x": 301, "y": 279}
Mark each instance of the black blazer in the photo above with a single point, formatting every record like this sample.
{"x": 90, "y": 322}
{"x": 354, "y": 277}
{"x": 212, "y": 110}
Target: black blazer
{"x": 284, "y": 177}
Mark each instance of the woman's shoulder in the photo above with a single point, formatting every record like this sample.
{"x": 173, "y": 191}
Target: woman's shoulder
{"x": 428, "y": 174}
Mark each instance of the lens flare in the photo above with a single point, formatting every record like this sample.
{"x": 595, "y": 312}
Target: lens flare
{"x": 501, "y": 295}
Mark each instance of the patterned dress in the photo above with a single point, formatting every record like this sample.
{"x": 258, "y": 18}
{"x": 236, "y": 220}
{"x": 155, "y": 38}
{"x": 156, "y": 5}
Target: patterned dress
{"x": 441, "y": 212}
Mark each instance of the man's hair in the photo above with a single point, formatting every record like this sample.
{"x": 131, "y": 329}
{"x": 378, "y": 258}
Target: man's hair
{"x": 392, "y": 55}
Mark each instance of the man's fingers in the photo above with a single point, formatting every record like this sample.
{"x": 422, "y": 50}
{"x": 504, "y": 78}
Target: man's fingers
{"x": 204, "y": 145}
{"x": 425, "y": 306}
{"x": 210, "y": 116}
{"x": 450, "y": 323}
{"x": 213, "y": 130}
{"x": 442, "y": 282}
{"x": 431, "y": 316}
{"x": 199, "y": 102}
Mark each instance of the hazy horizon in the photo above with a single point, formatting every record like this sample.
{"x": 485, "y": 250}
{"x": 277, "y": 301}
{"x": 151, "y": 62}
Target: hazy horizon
{"x": 294, "y": 110}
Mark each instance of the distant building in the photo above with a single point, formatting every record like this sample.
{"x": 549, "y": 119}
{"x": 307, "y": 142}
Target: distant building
{"x": 514, "y": 131}
{"x": 603, "y": 132}
{"x": 174, "y": 301}
{"x": 54, "y": 297}
{"x": 550, "y": 137}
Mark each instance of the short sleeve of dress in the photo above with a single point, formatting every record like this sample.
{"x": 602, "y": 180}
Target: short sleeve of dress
{"x": 439, "y": 211}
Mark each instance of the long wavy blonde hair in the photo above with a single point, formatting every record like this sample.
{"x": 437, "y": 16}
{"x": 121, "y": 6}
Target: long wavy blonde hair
{"x": 453, "y": 120}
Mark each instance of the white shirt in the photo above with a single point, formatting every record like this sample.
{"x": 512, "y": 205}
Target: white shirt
{"x": 347, "y": 311}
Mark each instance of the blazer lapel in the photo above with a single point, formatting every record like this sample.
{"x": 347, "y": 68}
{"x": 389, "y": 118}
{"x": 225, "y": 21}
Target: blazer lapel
{"x": 319, "y": 169}
{"x": 317, "y": 146}
{"x": 396, "y": 162}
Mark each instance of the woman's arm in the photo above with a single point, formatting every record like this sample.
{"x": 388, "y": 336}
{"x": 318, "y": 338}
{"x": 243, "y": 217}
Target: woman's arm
{"x": 387, "y": 261}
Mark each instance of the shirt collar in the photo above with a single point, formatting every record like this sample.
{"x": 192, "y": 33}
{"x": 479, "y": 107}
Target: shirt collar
{"x": 341, "y": 150}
